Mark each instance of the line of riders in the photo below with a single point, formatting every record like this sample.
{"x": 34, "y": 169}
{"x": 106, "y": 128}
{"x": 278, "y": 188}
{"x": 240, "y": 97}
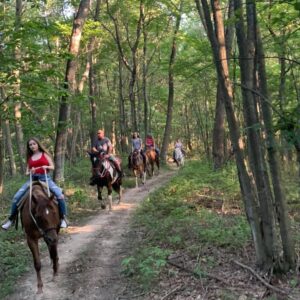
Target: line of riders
{"x": 40, "y": 163}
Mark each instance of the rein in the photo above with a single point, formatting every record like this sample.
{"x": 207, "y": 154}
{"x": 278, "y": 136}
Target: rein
{"x": 42, "y": 232}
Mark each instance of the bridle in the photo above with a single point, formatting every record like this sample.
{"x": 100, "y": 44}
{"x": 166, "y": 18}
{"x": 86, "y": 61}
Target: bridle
{"x": 102, "y": 170}
{"x": 43, "y": 232}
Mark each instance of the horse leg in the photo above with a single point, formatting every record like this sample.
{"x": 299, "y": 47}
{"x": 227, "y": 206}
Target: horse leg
{"x": 54, "y": 257}
{"x": 109, "y": 189}
{"x": 99, "y": 189}
{"x": 157, "y": 164}
{"x": 34, "y": 248}
{"x": 136, "y": 179}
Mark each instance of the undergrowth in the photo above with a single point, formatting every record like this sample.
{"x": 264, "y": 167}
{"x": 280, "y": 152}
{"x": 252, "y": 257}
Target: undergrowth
{"x": 176, "y": 218}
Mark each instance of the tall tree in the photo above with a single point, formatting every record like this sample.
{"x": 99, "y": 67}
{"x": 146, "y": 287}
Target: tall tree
{"x": 18, "y": 103}
{"x": 217, "y": 41}
{"x": 70, "y": 88}
{"x": 168, "y": 126}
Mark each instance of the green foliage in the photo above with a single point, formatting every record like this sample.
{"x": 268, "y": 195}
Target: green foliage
{"x": 173, "y": 219}
{"x": 14, "y": 259}
{"x": 146, "y": 265}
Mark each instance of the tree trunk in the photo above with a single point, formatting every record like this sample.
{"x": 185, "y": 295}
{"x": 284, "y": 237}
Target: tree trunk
{"x": 218, "y": 152}
{"x": 246, "y": 45}
{"x": 168, "y": 127}
{"x": 123, "y": 127}
{"x": 1, "y": 145}
{"x": 218, "y": 132}
{"x": 70, "y": 87}
{"x": 17, "y": 108}
{"x": 280, "y": 201}
{"x": 9, "y": 147}
{"x": 217, "y": 40}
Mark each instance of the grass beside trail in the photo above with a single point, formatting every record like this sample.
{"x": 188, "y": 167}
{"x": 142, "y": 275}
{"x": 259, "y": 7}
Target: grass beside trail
{"x": 187, "y": 215}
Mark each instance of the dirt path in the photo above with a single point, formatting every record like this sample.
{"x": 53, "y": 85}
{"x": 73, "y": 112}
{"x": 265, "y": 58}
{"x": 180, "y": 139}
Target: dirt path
{"x": 90, "y": 255}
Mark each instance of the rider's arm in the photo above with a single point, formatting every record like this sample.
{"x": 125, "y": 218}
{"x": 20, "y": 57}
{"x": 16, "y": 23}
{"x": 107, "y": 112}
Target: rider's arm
{"x": 50, "y": 161}
{"x": 27, "y": 170}
{"x": 109, "y": 147}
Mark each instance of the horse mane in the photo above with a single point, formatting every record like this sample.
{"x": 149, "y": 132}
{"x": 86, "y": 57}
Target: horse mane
{"x": 40, "y": 194}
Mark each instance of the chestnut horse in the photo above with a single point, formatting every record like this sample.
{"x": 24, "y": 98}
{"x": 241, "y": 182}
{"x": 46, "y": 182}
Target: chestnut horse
{"x": 152, "y": 159}
{"x": 138, "y": 167}
{"x": 40, "y": 219}
{"x": 105, "y": 174}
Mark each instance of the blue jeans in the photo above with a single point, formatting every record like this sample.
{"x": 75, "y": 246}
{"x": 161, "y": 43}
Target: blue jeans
{"x": 52, "y": 187}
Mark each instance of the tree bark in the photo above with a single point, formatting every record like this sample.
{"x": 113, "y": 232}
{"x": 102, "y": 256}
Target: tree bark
{"x": 280, "y": 201}
{"x": 70, "y": 87}
{"x": 18, "y": 104}
{"x": 246, "y": 45}
{"x": 217, "y": 41}
{"x": 218, "y": 149}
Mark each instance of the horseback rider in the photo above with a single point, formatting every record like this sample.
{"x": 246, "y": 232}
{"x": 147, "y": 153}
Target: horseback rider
{"x": 104, "y": 146}
{"x": 150, "y": 144}
{"x": 178, "y": 145}
{"x": 136, "y": 145}
{"x": 39, "y": 163}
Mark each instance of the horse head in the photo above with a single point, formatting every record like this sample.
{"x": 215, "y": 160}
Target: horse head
{"x": 45, "y": 214}
{"x": 137, "y": 159}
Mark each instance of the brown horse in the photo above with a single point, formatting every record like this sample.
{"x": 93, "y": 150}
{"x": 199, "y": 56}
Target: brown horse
{"x": 138, "y": 167}
{"x": 40, "y": 219}
{"x": 105, "y": 174}
{"x": 152, "y": 159}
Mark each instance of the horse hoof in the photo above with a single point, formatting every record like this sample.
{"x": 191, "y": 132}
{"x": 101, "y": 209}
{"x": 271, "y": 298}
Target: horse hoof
{"x": 39, "y": 291}
{"x": 103, "y": 206}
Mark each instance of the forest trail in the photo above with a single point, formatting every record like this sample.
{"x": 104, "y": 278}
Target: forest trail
{"x": 90, "y": 255}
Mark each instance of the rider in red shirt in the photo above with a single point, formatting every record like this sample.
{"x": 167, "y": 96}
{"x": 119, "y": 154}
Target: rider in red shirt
{"x": 39, "y": 163}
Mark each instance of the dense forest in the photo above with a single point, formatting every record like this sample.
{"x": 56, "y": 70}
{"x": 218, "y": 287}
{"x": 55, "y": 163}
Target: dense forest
{"x": 223, "y": 76}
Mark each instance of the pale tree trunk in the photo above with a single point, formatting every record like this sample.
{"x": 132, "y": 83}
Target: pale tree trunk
{"x": 188, "y": 130}
{"x": 280, "y": 201}
{"x": 9, "y": 147}
{"x": 144, "y": 79}
{"x": 77, "y": 114}
{"x": 168, "y": 127}
{"x": 70, "y": 86}
{"x": 7, "y": 138}
{"x": 92, "y": 96}
{"x": 17, "y": 107}
{"x": 217, "y": 40}
{"x": 246, "y": 44}
{"x": 123, "y": 126}
{"x": 93, "y": 85}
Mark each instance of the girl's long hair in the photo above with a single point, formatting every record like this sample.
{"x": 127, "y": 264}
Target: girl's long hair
{"x": 41, "y": 148}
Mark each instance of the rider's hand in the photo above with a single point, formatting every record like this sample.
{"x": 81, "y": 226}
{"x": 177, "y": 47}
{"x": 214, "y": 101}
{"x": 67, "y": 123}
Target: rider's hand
{"x": 106, "y": 156}
{"x": 45, "y": 168}
{"x": 32, "y": 170}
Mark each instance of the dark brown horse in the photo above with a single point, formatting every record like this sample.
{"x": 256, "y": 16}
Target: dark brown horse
{"x": 138, "y": 167}
{"x": 152, "y": 159}
{"x": 40, "y": 219}
{"x": 105, "y": 174}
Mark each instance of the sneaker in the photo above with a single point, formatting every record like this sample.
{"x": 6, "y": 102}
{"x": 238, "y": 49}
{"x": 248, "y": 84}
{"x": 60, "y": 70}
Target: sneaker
{"x": 7, "y": 224}
{"x": 63, "y": 223}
